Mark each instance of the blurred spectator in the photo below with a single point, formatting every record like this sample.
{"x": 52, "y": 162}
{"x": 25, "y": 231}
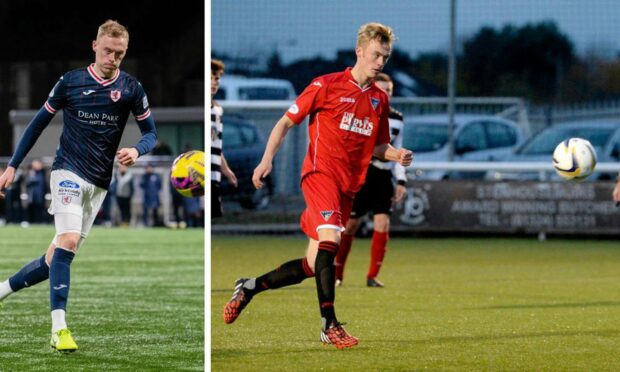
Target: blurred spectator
{"x": 35, "y": 187}
{"x": 151, "y": 185}
{"x": 2, "y": 207}
{"x": 14, "y": 209}
{"x": 161, "y": 148}
{"x": 177, "y": 205}
{"x": 194, "y": 216}
{"x": 124, "y": 193}
{"x": 104, "y": 216}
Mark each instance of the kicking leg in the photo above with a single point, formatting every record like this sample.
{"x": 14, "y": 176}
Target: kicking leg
{"x": 32, "y": 273}
{"x": 289, "y": 273}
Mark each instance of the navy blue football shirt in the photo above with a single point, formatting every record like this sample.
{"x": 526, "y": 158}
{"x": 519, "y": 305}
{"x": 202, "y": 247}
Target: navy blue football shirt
{"x": 95, "y": 111}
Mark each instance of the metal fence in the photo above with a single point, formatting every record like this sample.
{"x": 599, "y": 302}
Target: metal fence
{"x": 543, "y": 116}
{"x": 288, "y": 161}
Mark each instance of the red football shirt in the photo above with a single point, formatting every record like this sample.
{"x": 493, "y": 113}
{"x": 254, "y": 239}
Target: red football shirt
{"x": 346, "y": 123}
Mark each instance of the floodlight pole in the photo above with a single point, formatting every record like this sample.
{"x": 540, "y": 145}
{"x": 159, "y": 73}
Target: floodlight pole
{"x": 451, "y": 79}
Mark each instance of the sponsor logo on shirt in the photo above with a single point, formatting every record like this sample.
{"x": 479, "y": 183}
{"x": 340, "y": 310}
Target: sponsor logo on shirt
{"x": 347, "y": 99}
{"x": 88, "y": 92}
{"x": 318, "y": 84}
{"x": 294, "y": 109}
{"x": 352, "y": 124}
{"x": 98, "y": 118}
{"x": 145, "y": 103}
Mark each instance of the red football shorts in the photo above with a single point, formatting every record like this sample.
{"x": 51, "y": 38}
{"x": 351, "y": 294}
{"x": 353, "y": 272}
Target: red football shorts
{"x": 326, "y": 206}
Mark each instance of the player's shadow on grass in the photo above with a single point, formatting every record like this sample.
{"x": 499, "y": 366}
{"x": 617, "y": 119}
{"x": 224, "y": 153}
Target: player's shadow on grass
{"x": 230, "y": 290}
{"x": 549, "y": 306}
{"x": 505, "y": 336}
{"x": 218, "y": 354}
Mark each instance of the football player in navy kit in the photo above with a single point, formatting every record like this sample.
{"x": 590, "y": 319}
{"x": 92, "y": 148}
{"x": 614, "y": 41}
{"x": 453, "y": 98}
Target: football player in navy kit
{"x": 96, "y": 103}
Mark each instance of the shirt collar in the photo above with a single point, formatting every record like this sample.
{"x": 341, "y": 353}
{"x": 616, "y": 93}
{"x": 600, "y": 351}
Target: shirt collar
{"x": 103, "y": 81}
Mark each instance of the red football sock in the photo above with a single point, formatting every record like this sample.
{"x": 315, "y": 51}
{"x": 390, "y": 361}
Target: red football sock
{"x": 377, "y": 252}
{"x": 346, "y": 241}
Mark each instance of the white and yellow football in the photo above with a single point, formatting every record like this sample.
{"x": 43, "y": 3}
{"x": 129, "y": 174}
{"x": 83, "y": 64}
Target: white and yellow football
{"x": 574, "y": 159}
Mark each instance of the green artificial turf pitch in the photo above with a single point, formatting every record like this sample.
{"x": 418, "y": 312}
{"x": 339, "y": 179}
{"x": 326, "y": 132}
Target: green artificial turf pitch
{"x": 448, "y": 304}
{"x": 136, "y": 302}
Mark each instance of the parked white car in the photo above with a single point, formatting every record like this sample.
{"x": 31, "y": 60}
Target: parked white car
{"x": 241, "y": 88}
{"x": 603, "y": 135}
{"x": 476, "y": 138}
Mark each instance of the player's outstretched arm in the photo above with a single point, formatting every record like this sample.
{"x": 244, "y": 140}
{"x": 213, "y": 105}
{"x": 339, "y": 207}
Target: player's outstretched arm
{"x": 276, "y": 138}
{"x": 6, "y": 179}
{"x": 386, "y": 151}
{"x": 29, "y": 138}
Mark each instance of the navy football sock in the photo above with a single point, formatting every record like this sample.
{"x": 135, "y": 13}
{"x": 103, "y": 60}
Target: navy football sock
{"x": 60, "y": 274}
{"x": 32, "y": 273}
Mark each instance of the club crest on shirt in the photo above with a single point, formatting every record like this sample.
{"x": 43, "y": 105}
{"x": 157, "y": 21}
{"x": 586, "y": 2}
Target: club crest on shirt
{"x": 66, "y": 200}
{"x": 326, "y": 215}
{"x": 374, "y": 102}
{"x": 115, "y": 95}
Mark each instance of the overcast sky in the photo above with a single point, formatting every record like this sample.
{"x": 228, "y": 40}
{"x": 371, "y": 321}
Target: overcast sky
{"x": 306, "y": 28}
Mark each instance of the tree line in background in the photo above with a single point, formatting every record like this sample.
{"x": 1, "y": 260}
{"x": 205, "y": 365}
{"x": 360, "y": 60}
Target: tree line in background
{"x": 536, "y": 61}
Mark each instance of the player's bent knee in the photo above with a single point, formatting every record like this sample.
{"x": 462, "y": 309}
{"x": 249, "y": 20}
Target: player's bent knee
{"x": 69, "y": 241}
{"x": 329, "y": 233}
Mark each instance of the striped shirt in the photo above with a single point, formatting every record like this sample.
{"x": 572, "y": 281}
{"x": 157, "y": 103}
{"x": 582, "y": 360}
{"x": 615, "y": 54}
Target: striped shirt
{"x": 216, "y": 142}
{"x": 396, "y": 136}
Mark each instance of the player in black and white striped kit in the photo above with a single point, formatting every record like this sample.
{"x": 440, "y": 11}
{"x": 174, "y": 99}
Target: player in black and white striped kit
{"x": 219, "y": 166}
{"x": 377, "y": 196}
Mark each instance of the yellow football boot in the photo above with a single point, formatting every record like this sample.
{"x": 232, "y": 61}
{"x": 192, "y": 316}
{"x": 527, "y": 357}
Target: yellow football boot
{"x": 62, "y": 341}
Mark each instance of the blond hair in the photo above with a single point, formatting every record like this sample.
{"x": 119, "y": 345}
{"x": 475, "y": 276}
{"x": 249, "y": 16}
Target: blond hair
{"x": 372, "y": 31}
{"x": 112, "y": 28}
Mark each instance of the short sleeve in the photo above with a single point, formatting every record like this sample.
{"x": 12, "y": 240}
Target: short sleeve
{"x": 57, "y": 98}
{"x": 140, "y": 109}
{"x": 308, "y": 102}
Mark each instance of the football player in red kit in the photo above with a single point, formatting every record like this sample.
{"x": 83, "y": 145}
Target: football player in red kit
{"x": 376, "y": 196}
{"x": 348, "y": 124}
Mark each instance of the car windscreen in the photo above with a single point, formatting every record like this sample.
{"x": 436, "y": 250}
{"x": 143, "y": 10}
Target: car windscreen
{"x": 420, "y": 137}
{"x": 546, "y": 141}
{"x": 238, "y": 135}
{"x": 263, "y": 93}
